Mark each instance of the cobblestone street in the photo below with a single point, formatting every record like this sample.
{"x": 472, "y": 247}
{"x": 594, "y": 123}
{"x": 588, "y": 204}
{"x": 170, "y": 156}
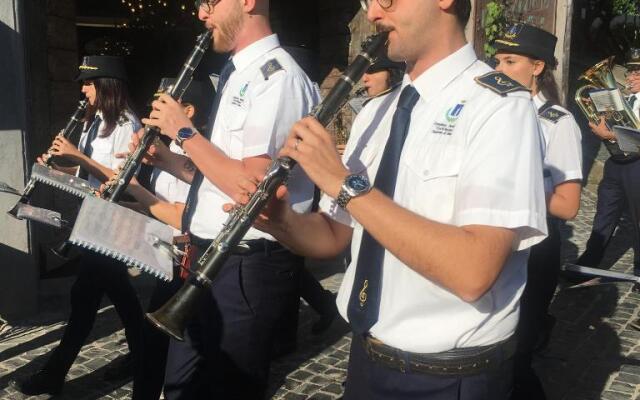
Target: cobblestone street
{"x": 594, "y": 351}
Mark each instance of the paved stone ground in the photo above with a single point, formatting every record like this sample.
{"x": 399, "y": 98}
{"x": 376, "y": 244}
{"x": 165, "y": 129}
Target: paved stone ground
{"x": 594, "y": 352}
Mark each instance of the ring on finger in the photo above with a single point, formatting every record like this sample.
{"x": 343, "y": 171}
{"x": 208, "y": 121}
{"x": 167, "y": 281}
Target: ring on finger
{"x": 295, "y": 147}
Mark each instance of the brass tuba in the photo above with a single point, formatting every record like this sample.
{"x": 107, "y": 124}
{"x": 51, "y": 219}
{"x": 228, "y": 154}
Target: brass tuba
{"x": 600, "y": 77}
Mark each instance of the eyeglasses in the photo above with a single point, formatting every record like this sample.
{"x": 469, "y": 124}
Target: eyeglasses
{"x": 207, "y": 4}
{"x": 384, "y": 4}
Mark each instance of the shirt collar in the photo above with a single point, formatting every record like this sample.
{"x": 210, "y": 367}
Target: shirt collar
{"x": 249, "y": 54}
{"x": 539, "y": 100}
{"x": 438, "y": 76}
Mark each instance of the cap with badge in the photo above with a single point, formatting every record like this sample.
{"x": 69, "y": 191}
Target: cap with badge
{"x": 383, "y": 63}
{"x": 633, "y": 59}
{"x": 102, "y": 67}
{"x": 530, "y": 41}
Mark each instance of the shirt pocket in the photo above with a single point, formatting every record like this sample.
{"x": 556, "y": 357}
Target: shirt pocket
{"x": 430, "y": 181}
{"x": 234, "y": 123}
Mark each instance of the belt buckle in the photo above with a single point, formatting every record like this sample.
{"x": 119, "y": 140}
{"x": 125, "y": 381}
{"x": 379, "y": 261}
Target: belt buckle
{"x": 242, "y": 248}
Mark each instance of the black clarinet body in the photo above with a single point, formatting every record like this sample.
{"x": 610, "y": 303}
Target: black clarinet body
{"x": 114, "y": 191}
{"x": 174, "y": 315}
{"x": 68, "y": 130}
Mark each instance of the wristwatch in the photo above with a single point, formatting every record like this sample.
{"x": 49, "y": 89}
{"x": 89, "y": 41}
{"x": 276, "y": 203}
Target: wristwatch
{"x": 184, "y": 134}
{"x": 354, "y": 185}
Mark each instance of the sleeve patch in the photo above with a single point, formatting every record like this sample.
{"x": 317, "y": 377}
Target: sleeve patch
{"x": 499, "y": 83}
{"x": 271, "y": 67}
{"x": 551, "y": 114}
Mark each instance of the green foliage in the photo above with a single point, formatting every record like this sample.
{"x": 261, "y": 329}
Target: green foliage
{"x": 626, "y": 7}
{"x": 494, "y": 23}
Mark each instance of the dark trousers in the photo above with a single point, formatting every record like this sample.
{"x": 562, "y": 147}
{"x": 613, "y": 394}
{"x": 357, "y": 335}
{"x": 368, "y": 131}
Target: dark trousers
{"x": 148, "y": 381}
{"x": 227, "y": 349}
{"x": 535, "y": 323}
{"x": 98, "y": 275}
{"x": 369, "y": 380}
{"x": 618, "y": 190}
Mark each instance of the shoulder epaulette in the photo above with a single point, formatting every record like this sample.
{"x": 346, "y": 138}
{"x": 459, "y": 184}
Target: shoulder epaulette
{"x": 551, "y": 114}
{"x": 270, "y": 67}
{"x": 499, "y": 83}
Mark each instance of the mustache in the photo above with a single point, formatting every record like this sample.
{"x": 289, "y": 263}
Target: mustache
{"x": 381, "y": 27}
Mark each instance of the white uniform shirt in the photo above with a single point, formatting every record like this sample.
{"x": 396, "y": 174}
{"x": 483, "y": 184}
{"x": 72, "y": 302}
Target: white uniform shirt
{"x": 471, "y": 157}
{"x": 166, "y": 186}
{"x": 563, "y": 148}
{"x": 255, "y": 116}
{"x": 105, "y": 148}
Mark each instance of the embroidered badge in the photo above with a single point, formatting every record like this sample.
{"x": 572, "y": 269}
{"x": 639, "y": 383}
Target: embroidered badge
{"x": 499, "y": 83}
{"x": 271, "y": 67}
{"x": 363, "y": 293}
{"x": 454, "y": 113}
{"x": 551, "y": 114}
{"x": 446, "y": 126}
{"x": 243, "y": 90}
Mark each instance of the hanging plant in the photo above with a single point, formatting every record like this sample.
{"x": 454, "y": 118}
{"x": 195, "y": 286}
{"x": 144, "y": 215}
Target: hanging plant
{"x": 494, "y": 24}
{"x": 626, "y": 7}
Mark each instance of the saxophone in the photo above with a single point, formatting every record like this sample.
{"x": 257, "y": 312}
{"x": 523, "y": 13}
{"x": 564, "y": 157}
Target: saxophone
{"x": 48, "y": 157}
{"x": 114, "y": 191}
{"x": 173, "y": 316}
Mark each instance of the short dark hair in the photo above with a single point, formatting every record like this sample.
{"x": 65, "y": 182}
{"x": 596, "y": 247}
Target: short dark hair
{"x": 462, "y": 9}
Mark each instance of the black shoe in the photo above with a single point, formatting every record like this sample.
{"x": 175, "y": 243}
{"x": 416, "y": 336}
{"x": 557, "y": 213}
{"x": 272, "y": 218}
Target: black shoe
{"x": 39, "y": 383}
{"x": 119, "y": 370}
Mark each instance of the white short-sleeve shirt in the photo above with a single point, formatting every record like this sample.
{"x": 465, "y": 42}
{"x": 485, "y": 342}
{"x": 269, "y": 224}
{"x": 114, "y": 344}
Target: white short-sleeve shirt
{"x": 563, "y": 148}
{"x": 166, "y": 186}
{"x": 265, "y": 95}
{"x": 105, "y": 148}
{"x": 471, "y": 157}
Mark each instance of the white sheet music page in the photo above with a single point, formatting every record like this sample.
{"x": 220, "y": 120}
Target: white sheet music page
{"x": 628, "y": 138}
{"x": 607, "y": 100}
{"x": 118, "y": 232}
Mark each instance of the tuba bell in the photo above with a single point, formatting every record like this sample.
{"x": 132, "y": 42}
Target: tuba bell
{"x": 600, "y": 77}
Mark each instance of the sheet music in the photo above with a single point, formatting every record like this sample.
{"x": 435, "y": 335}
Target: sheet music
{"x": 607, "y": 100}
{"x": 58, "y": 179}
{"x": 628, "y": 138}
{"x": 118, "y": 232}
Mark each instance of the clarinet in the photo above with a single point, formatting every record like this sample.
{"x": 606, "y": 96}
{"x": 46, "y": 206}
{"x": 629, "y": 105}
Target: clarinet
{"x": 173, "y": 316}
{"x": 114, "y": 191}
{"x": 48, "y": 158}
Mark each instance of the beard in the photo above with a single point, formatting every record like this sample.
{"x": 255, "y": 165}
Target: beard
{"x": 228, "y": 30}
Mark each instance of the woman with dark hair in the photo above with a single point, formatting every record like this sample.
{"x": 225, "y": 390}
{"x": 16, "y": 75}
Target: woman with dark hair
{"x": 526, "y": 55}
{"x": 108, "y": 128}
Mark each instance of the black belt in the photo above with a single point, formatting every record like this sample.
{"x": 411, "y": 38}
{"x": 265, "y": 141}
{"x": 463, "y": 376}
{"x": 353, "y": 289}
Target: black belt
{"x": 463, "y": 361}
{"x": 245, "y": 247}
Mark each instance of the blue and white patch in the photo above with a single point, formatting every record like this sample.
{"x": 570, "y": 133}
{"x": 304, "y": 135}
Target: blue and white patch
{"x": 448, "y": 124}
{"x": 239, "y": 99}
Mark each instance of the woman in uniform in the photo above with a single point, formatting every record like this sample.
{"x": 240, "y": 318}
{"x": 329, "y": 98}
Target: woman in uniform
{"x": 526, "y": 55}
{"x": 109, "y": 125}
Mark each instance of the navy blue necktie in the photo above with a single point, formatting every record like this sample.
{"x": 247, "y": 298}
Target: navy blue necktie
{"x": 192, "y": 198}
{"x": 88, "y": 146}
{"x": 364, "y": 302}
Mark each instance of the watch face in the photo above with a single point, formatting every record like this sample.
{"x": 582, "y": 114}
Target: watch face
{"x": 358, "y": 183}
{"x": 185, "y": 133}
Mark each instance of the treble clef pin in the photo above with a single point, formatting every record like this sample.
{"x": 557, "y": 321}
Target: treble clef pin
{"x": 363, "y": 293}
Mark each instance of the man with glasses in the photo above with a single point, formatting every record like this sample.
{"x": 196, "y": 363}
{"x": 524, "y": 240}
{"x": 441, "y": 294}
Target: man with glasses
{"x": 261, "y": 92}
{"x": 440, "y": 236}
